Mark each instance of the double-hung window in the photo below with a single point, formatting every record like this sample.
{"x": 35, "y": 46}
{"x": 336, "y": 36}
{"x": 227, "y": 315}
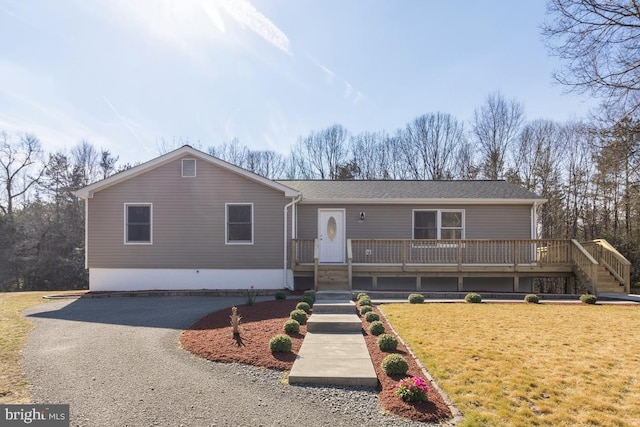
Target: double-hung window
{"x": 138, "y": 219}
{"x": 438, "y": 224}
{"x": 239, "y": 221}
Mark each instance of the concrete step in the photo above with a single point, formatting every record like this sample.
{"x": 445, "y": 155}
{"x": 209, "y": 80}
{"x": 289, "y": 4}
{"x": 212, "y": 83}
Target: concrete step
{"x": 333, "y": 359}
{"x": 341, "y": 295}
{"x": 334, "y": 307}
{"x": 334, "y": 323}
{"x": 332, "y": 287}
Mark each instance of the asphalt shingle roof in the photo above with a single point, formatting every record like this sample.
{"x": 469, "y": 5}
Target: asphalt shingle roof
{"x": 409, "y": 190}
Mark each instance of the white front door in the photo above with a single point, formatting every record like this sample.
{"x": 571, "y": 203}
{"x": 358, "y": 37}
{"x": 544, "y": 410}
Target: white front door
{"x": 331, "y": 235}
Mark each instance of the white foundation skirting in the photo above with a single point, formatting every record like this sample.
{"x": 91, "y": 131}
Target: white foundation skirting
{"x": 145, "y": 279}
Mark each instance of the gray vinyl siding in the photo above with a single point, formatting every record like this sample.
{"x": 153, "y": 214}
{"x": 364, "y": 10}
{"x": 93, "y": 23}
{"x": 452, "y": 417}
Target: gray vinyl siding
{"x": 395, "y": 221}
{"x": 188, "y": 221}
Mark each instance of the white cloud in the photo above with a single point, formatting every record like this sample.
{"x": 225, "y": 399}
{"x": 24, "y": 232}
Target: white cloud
{"x": 184, "y": 23}
{"x": 248, "y": 16}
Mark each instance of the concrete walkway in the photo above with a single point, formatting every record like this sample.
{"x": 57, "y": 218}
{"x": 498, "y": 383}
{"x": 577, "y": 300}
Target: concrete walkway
{"x": 334, "y": 351}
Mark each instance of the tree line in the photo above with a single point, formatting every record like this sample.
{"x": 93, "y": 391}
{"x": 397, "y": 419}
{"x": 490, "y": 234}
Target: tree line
{"x": 588, "y": 171}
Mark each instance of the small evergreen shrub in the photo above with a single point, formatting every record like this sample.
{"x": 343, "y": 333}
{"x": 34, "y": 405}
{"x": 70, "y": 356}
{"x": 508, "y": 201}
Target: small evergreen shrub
{"x": 308, "y": 299}
{"x": 304, "y": 307}
{"x": 416, "y": 298}
{"x": 365, "y": 300}
{"x": 281, "y": 295}
{"x": 362, "y": 294}
{"x": 473, "y": 298}
{"x": 387, "y": 343}
{"x": 376, "y": 328}
{"x": 532, "y": 298}
{"x": 364, "y": 309}
{"x": 588, "y": 299}
{"x": 280, "y": 343}
{"x": 395, "y": 364}
{"x": 291, "y": 326}
{"x": 311, "y": 294}
{"x": 371, "y": 317}
{"x": 299, "y": 316}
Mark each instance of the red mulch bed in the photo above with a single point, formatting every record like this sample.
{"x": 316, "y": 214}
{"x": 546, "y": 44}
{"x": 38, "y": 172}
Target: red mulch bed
{"x": 212, "y": 338}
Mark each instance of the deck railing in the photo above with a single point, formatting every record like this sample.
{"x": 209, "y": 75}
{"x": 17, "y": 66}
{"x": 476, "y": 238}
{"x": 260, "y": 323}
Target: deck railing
{"x": 461, "y": 252}
{"x": 439, "y": 252}
{"x": 584, "y": 258}
{"x": 607, "y": 256}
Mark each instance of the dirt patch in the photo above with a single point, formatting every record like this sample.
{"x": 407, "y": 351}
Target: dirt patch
{"x": 212, "y": 338}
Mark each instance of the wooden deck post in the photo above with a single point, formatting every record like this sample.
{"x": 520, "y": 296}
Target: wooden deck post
{"x": 418, "y": 282}
{"x": 460, "y": 283}
{"x": 516, "y": 283}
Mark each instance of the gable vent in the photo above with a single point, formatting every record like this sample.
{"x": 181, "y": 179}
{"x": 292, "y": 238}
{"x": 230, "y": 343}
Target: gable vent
{"x": 188, "y": 168}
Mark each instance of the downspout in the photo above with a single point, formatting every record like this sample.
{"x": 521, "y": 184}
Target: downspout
{"x": 284, "y": 270}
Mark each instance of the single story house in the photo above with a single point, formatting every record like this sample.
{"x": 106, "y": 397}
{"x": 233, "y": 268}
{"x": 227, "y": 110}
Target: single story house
{"x": 187, "y": 220}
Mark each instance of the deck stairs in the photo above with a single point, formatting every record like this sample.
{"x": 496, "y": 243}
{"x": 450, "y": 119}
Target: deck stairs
{"x": 332, "y": 277}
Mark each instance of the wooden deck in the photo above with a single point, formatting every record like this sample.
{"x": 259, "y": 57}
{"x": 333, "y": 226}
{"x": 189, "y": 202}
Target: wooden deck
{"x": 598, "y": 266}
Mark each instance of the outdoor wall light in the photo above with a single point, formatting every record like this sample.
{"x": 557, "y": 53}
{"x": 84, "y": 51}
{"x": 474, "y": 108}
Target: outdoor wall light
{"x": 362, "y": 215}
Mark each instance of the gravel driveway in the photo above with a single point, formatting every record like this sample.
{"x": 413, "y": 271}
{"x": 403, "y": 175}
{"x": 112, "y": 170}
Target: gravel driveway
{"x": 117, "y": 362}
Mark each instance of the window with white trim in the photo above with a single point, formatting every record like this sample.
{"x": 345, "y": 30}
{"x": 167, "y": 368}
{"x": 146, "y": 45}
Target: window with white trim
{"x": 438, "y": 224}
{"x": 239, "y": 220}
{"x": 188, "y": 168}
{"x": 138, "y": 221}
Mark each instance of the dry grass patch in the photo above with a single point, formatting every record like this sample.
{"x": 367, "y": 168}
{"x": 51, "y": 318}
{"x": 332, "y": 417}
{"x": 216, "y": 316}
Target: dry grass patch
{"x": 523, "y": 364}
{"x": 14, "y": 329}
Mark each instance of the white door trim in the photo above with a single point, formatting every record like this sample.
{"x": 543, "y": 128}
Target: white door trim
{"x": 340, "y": 256}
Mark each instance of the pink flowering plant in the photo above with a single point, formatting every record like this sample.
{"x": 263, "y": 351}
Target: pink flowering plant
{"x": 412, "y": 389}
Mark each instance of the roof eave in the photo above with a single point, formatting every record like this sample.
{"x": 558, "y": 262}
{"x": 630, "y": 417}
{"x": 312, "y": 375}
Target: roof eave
{"x": 379, "y": 201}
{"x": 88, "y": 191}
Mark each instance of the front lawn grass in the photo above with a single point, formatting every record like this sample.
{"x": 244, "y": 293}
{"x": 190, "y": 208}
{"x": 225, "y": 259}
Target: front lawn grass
{"x": 14, "y": 329}
{"x": 534, "y": 365}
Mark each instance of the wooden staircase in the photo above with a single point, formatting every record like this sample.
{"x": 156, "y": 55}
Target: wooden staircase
{"x": 607, "y": 283}
{"x": 332, "y": 278}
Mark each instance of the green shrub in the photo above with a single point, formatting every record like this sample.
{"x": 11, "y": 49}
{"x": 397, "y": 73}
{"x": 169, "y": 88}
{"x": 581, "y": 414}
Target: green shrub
{"x": 291, "y": 326}
{"x": 310, "y": 294}
{"x": 362, "y": 294}
{"x": 376, "y": 328}
{"x": 304, "y": 307}
{"x": 299, "y": 315}
{"x": 395, "y": 364}
{"x": 281, "y": 295}
{"x": 588, "y": 299}
{"x": 387, "y": 343}
{"x": 473, "y": 298}
{"x": 371, "y": 317}
{"x": 416, "y": 298}
{"x": 280, "y": 343}
{"x": 308, "y": 299}
{"x": 365, "y": 300}
{"x": 364, "y": 309}
{"x": 532, "y": 298}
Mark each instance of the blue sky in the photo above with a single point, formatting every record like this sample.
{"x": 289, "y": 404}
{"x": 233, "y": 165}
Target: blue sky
{"x": 126, "y": 74}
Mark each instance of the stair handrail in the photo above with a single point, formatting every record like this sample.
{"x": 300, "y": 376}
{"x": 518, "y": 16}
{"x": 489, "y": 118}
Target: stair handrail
{"x": 582, "y": 260}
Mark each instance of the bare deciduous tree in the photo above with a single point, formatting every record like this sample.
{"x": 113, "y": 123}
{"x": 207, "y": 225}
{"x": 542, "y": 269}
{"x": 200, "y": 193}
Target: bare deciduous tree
{"x": 432, "y": 141}
{"x": 20, "y": 169}
{"x": 496, "y": 125}
{"x": 599, "y": 40}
